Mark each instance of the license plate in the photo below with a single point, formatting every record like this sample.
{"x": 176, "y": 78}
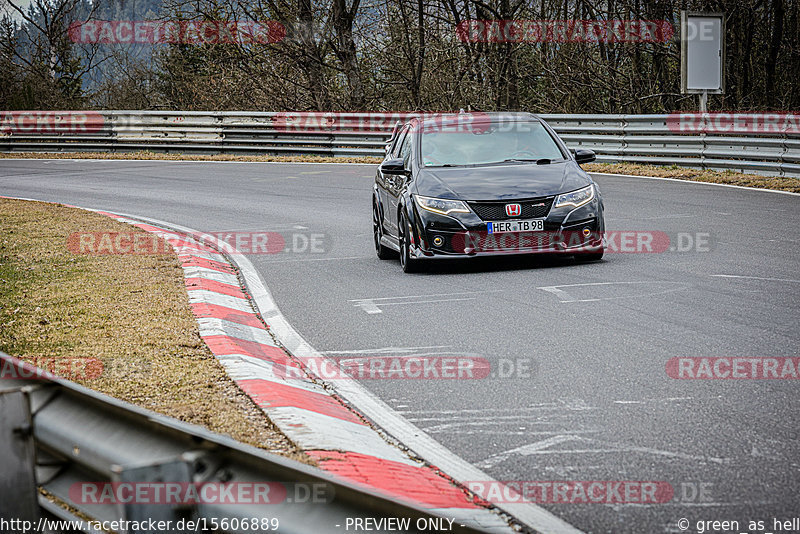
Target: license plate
{"x": 527, "y": 225}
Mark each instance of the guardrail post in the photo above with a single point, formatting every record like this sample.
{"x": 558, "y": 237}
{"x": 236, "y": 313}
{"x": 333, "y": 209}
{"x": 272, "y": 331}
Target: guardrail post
{"x": 785, "y": 147}
{"x": 17, "y": 475}
{"x": 155, "y": 506}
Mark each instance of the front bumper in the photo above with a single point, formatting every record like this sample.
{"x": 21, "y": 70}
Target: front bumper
{"x": 567, "y": 230}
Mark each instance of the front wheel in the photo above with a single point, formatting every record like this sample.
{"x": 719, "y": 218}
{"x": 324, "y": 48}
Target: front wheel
{"x": 384, "y": 253}
{"x": 409, "y": 264}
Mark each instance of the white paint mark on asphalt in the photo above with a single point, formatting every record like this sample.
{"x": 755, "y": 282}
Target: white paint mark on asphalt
{"x": 526, "y": 450}
{"x": 321, "y": 259}
{"x": 463, "y": 427}
{"x": 470, "y": 419}
{"x": 672, "y": 216}
{"x": 756, "y": 278}
{"x": 564, "y": 296}
{"x": 570, "y": 405}
{"x": 373, "y": 305}
{"x": 642, "y": 450}
{"x": 688, "y": 182}
{"x": 503, "y": 432}
{"x": 425, "y": 301}
{"x": 543, "y": 447}
{"x": 368, "y": 306}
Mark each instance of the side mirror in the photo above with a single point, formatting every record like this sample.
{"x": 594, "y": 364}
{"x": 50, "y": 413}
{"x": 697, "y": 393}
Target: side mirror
{"x": 394, "y": 166}
{"x": 583, "y": 155}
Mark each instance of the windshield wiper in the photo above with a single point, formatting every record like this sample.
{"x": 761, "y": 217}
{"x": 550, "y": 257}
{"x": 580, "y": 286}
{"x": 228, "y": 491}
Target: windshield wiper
{"x": 539, "y": 161}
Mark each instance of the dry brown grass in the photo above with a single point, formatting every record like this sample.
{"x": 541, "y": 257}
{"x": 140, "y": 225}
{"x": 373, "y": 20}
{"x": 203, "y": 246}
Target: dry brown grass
{"x": 695, "y": 175}
{"x": 129, "y": 311}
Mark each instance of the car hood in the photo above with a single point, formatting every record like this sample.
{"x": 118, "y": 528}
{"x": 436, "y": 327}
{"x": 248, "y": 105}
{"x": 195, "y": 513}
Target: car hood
{"x": 502, "y": 182}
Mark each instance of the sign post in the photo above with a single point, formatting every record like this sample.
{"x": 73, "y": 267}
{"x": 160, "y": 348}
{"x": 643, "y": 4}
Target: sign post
{"x": 702, "y": 55}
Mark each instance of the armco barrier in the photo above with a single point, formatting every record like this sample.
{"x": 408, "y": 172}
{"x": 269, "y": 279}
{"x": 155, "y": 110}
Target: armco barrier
{"x": 650, "y": 139}
{"x": 65, "y": 439}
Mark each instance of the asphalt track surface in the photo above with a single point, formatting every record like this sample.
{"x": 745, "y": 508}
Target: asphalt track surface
{"x": 597, "y": 404}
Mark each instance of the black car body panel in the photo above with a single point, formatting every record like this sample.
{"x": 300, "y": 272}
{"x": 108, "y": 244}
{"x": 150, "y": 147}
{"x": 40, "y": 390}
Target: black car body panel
{"x": 501, "y": 182}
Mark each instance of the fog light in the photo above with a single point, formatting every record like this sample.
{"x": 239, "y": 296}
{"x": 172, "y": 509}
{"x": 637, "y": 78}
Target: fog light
{"x": 586, "y": 232}
{"x": 438, "y": 241}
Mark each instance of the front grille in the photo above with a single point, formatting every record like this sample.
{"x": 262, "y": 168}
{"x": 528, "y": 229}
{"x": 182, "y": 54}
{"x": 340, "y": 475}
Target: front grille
{"x": 496, "y": 211}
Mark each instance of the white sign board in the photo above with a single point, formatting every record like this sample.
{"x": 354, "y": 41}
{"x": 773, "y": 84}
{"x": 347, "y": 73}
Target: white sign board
{"x": 702, "y": 52}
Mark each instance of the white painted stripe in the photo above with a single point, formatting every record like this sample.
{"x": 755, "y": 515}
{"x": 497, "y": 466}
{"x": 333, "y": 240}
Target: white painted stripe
{"x": 562, "y": 295}
{"x": 678, "y": 180}
{"x": 312, "y": 430}
{"x": 527, "y": 449}
{"x": 367, "y": 305}
{"x": 126, "y": 220}
{"x": 213, "y": 326}
{"x": 756, "y": 278}
{"x": 244, "y": 367}
{"x": 183, "y": 253}
{"x": 210, "y": 274}
{"x": 212, "y": 297}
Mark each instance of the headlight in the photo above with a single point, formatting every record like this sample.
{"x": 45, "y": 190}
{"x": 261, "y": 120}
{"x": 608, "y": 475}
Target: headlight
{"x": 576, "y": 198}
{"x": 440, "y": 205}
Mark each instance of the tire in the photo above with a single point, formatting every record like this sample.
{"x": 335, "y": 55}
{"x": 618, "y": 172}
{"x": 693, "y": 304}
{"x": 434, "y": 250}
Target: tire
{"x": 408, "y": 264}
{"x": 384, "y": 253}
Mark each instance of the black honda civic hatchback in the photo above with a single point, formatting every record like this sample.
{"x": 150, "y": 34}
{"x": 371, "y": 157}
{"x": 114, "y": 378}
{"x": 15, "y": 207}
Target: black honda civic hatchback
{"x": 476, "y": 184}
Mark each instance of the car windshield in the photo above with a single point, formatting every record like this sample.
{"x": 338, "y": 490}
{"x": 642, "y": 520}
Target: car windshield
{"x": 490, "y": 142}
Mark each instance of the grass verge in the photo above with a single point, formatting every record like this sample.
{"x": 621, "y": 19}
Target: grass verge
{"x": 128, "y": 311}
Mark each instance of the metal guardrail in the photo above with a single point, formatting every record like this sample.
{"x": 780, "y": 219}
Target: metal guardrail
{"x": 58, "y": 436}
{"x": 644, "y": 139}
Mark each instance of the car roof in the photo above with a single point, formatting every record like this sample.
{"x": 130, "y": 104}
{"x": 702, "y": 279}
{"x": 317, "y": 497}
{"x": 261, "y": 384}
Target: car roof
{"x": 481, "y": 116}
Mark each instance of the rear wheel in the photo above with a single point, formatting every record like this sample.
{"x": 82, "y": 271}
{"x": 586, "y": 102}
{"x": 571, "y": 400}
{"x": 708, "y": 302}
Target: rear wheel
{"x": 409, "y": 264}
{"x": 384, "y": 253}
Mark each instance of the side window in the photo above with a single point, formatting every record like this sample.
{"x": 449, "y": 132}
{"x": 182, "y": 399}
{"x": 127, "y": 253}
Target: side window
{"x": 392, "y": 143}
{"x": 398, "y": 145}
{"x": 405, "y": 149}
